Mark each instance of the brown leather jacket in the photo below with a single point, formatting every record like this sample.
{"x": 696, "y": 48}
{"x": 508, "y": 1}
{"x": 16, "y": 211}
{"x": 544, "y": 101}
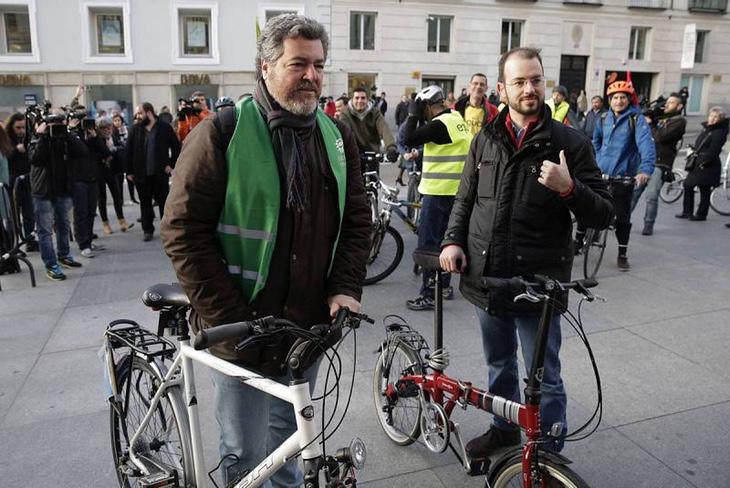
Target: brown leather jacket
{"x": 298, "y": 283}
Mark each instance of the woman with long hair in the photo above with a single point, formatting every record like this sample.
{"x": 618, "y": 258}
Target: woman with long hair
{"x": 15, "y": 128}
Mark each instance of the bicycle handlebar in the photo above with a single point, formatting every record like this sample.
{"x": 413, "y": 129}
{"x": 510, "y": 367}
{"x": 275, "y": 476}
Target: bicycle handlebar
{"x": 622, "y": 180}
{"x": 542, "y": 284}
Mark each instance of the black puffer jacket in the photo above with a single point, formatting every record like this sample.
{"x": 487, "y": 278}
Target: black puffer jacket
{"x": 507, "y": 222}
{"x": 53, "y": 161}
{"x": 709, "y": 145}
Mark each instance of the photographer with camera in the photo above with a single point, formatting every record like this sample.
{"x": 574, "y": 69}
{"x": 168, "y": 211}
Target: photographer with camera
{"x": 190, "y": 113}
{"x": 19, "y": 166}
{"x": 667, "y": 129}
{"x": 53, "y": 154}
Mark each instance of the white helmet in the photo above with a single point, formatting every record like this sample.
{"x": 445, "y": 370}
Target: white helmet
{"x": 431, "y": 94}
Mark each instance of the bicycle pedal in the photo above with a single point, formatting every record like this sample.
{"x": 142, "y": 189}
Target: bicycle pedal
{"x": 478, "y": 466}
{"x": 159, "y": 480}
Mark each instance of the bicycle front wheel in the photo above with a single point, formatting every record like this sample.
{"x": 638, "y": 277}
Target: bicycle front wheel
{"x": 552, "y": 474}
{"x": 673, "y": 191}
{"x": 164, "y": 443}
{"x": 594, "y": 245}
{"x": 386, "y": 251}
{"x": 720, "y": 199}
{"x": 399, "y": 412}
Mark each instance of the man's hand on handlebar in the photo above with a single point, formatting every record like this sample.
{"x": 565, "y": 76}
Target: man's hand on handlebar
{"x": 453, "y": 259}
{"x": 642, "y": 179}
{"x": 391, "y": 155}
{"x": 336, "y": 302}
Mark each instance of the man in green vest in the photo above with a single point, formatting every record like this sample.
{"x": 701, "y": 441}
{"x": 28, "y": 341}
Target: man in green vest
{"x": 445, "y": 139}
{"x": 267, "y": 216}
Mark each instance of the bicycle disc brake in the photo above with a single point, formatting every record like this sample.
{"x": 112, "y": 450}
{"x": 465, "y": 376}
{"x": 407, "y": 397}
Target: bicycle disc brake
{"x": 435, "y": 427}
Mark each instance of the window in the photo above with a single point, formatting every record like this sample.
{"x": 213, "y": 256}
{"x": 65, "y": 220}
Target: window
{"x": 511, "y": 34}
{"x": 695, "y": 85}
{"x": 108, "y": 31}
{"x": 270, "y": 14}
{"x": 195, "y": 34}
{"x": 445, "y": 82}
{"x": 638, "y": 42}
{"x": 15, "y": 28}
{"x": 195, "y": 30}
{"x": 362, "y": 30}
{"x": 439, "y": 34}
{"x": 700, "y": 55}
{"x": 268, "y": 11}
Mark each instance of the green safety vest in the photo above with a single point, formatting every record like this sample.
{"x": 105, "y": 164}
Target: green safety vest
{"x": 559, "y": 112}
{"x": 444, "y": 163}
{"x": 248, "y": 224}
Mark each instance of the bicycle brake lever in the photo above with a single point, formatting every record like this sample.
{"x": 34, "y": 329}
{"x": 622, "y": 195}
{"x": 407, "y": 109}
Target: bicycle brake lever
{"x": 527, "y": 296}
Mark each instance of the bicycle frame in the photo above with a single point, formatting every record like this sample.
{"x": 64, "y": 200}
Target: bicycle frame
{"x": 181, "y": 374}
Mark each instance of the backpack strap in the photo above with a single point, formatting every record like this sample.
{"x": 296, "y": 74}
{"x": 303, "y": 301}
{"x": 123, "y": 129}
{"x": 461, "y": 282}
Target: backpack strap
{"x": 225, "y": 122}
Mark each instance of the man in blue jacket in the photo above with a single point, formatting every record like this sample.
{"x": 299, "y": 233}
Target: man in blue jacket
{"x": 624, "y": 147}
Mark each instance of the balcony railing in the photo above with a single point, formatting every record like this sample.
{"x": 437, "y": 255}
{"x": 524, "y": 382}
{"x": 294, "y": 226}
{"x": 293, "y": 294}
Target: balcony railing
{"x": 653, "y": 4}
{"x": 715, "y": 6}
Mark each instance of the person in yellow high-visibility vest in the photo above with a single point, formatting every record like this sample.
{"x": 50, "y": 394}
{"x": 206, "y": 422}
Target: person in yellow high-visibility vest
{"x": 445, "y": 138}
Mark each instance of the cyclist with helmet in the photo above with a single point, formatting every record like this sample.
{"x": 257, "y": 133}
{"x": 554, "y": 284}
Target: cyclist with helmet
{"x": 223, "y": 102}
{"x": 624, "y": 147}
{"x": 445, "y": 138}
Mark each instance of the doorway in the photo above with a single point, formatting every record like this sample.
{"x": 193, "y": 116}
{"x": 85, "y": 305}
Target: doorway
{"x": 361, "y": 80}
{"x": 573, "y": 75}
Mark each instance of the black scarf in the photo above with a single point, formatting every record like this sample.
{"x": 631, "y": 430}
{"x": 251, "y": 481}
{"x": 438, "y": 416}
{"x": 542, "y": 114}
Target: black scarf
{"x": 287, "y": 130}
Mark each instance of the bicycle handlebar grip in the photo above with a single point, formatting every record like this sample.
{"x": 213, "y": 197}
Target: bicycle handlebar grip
{"x": 512, "y": 284}
{"x": 210, "y": 337}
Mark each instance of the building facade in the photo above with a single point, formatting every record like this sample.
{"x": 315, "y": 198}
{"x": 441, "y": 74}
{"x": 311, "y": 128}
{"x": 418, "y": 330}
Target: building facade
{"x": 129, "y": 51}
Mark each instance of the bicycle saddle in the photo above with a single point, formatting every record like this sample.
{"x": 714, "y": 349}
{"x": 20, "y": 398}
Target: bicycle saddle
{"x": 427, "y": 259}
{"x": 165, "y": 295}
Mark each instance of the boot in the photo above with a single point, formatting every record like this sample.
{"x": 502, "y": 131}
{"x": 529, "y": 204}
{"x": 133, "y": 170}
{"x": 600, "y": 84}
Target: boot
{"x": 124, "y": 226}
{"x": 107, "y": 228}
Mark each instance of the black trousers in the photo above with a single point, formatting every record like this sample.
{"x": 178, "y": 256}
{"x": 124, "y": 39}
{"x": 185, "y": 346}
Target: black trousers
{"x": 688, "y": 204}
{"x": 157, "y": 187}
{"x": 84, "y": 200}
{"x": 111, "y": 180}
{"x": 25, "y": 205}
{"x": 622, "y": 196}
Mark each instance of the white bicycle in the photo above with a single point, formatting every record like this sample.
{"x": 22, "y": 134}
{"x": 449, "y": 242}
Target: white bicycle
{"x": 155, "y": 433}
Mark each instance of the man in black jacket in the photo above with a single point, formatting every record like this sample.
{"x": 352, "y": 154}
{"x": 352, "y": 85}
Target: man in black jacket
{"x": 512, "y": 217}
{"x": 667, "y": 132}
{"x": 151, "y": 152}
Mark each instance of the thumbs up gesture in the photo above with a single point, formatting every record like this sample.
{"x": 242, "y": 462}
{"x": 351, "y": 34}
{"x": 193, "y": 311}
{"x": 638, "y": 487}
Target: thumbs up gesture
{"x": 556, "y": 176}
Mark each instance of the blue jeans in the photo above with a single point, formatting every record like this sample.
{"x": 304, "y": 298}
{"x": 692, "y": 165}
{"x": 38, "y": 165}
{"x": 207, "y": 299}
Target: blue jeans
{"x": 653, "y": 187}
{"x": 499, "y": 339}
{"x": 48, "y": 212}
{"x": 252, "y": 425}
{"x": 435, "y": 212}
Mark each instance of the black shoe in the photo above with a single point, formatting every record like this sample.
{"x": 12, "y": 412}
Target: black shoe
{"x": 94, "y": 236}
{"x": 69, "y": 262}
{"x": 727, "y": 225}
{"x": 648, "y": 230}
{"x": 147, "y": 236}
{"x": 420, "y": 303}
{"x": 697, "y": 218}
{"x": 31, "y": 246}
{"x": 683, "y": 216}
{"x": 448, "y": 293}
{"x": 139, "y": 220}
{"x": 493, "y": 440}
{"x": 623, "y": 263}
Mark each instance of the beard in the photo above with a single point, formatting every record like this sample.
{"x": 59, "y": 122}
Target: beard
{"x": 143, "y": 120}
{"x": 302, "y": 100}
{"x": 520, "y": 104}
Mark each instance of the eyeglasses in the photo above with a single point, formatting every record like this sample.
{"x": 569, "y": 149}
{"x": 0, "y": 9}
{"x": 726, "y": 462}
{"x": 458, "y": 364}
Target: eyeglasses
{"x": 521, "y": 82}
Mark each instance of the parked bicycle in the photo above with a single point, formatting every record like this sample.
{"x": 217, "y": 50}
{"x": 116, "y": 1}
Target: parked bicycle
{"x": 414, "y": 398}
{"x": 719, "y": 198}
{"x": 155, "y": 428}
{"x": 386, "y": 247}
{"x": 370, "y": 162}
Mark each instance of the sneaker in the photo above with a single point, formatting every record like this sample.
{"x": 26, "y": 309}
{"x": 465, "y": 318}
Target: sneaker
{"x": 97, "y": 247}
{"x": 69, "y": 262}
{"x": 683, "y": 216}
{"x": 87, "y": 253}
{"x": 55, "y": 273}
{"x": 623, "y": 263}
{"x": 420, "y": 303}
{"x": 648, "y": 230}
{"x": 147, "y": 236}
{"x": 448, "y": 293}
{"x": 493, "y": 440}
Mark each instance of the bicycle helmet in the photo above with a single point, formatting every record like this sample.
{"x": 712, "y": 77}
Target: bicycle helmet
{"x": 224, "y": 102}
{"x": 431, "y": 94}
{"x": 620, "y": 87}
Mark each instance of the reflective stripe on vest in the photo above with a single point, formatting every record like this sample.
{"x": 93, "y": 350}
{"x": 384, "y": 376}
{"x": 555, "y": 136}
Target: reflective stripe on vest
{"x": 444, "y": 163}
{"x": 248, "y": 223}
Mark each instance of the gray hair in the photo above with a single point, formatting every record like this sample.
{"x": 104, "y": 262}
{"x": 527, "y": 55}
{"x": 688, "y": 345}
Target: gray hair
{"x": 719, "y": 111}
{"x": 270, "y": 45}
{"x": 102, "y": 122}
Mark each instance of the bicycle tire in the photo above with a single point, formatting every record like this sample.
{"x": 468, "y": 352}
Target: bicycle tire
{"x": 720, "y": 199}
{"x": 415, "y": 197}
{"x": 510, "y": 475}
{"x": 165, "y": 441}
{"x": 385, "y": 255}
{"x": 594, "y": 246}
{"x": 673, "y": 191}
{"x": 402, "y": 425}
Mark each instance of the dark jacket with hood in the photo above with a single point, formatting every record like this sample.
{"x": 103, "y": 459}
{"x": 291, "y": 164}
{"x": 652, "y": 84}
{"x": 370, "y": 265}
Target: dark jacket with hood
{"x": 53, "y": 161}
{"x": 667, "y": 133}
{"x": 167, "y": 149}
{"x": 508, "y": 223}
{"x": 709, "y": 146}
{"x": 368, "y": 127}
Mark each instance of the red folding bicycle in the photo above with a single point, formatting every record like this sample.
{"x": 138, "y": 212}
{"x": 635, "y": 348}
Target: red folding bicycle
{"x": 414, "y": 398}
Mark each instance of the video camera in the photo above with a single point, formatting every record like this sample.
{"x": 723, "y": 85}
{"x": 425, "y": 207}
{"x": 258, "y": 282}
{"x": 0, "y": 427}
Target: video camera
{"x": 36, "y": 114}
{"x": 188, "y": 107}
{"x": 655, "y": 109}
{"x": 83, "y": 116}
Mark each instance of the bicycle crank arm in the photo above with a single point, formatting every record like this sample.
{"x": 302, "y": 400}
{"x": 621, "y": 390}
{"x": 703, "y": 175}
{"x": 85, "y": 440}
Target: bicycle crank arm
{"x": 473, "y": 467}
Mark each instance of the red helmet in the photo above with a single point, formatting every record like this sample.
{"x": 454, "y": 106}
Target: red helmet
{"x": 620, "y": 87}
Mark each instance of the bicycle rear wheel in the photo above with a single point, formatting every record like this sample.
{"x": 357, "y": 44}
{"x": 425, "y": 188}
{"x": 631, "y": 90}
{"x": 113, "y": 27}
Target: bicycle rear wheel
{"x": 673, "y": 191}
{"x": 399, "y": 412}
{"x": 720, "y": 198}
{"x": 164, "y": 444}
{"x": 415, "y": 197}
{"x": 594, "y": 245}
{"x": 386, "y": 252}
{"x": 552, "y": 474}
